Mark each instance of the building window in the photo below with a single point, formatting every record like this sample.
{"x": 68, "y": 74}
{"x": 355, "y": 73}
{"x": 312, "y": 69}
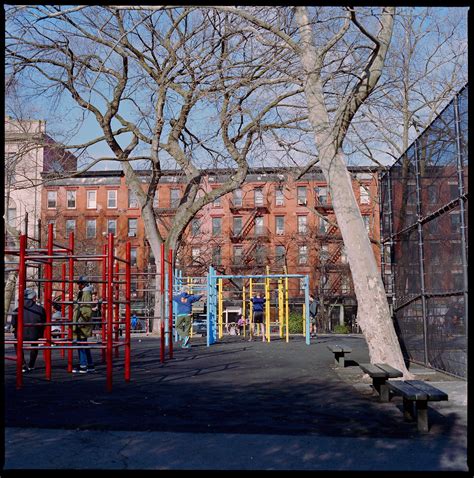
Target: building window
{"x": 71, "y": 199}
{"x": 432, "y": 194}
{"x": 259, "y": 229}
{"x": 322, "y": 193}
{"x": 112, "y": 226}
{"x": 132, "y": 227}
{"x": 453, "y": 191}
{"x": 280, "y": 254}
{"x": 91, "y": 199}
{"x": 279, "y": 197}
{"x": 217, "y": 202}
{"x": 457, "y": 280}
{"x": 302, "y": 224}
{"x": 280, "y": 225}
{"x": 344, "y": 254}
{"x": 70, "y": 226}
{"x": 258, "y": 196}
{"x": 238, "y": 255}
{"x": 195, "y": 254}
{"x": 302, "y": 255}
{"x": 260, "y": 254}
{"x": 364, "y": 195}
{"x": 455, "y": 223}
{"x": 216, "y": 256}
{"x": 112, "y": 199}
{"x": 345, "y": 285}
{"x": 216, "y": 226}
{"x": 133, "y": 256}
{"x": 323, "y": 226}
{"x": 301, "y": 192}
{"x": 52, "y": 199}
{"x": 11, "y": 213}
{"x": 237, "y": 197}
{"x": 175, "y": 198}
{"x": 324, "y": 253}
{"x": 237, "y": 225}
{"x": 132, "y": 200}
{"x": 195, "y": 226}
{"x": 302, "y": 284}
{"x": 156, "y": 199}
{"x": 91, "y": 228}
{"x": 366, "y": 220}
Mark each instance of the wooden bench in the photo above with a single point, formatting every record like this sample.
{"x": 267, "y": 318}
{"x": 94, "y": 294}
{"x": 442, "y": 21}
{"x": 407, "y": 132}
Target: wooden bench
{"x": 380, "y": 373}
{"x": 339, "y": 352}
{"x": 420, "y": 393}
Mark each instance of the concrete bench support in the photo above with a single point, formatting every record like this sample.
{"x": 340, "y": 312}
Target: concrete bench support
{"x": 339, "y": 352}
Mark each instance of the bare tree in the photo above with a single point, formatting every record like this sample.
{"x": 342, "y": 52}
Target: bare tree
{"x": 166, "y": 87}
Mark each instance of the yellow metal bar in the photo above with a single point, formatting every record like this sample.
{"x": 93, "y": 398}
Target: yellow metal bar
{"x": 280, "y": 306}
{"x": 304, "y": 319}
{"x": 243, "y": 305}
{"x": 219, "y": 313}
{"x": 287, "y": 309}
{"x": 267, "y": 305}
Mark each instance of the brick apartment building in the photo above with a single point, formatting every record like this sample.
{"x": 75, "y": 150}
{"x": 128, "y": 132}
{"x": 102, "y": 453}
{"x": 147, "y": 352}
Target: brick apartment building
{"x": 271, "y": 221}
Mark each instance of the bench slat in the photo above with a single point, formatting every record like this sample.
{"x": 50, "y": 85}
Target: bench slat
{"x": 434, "y": 394}
{"x": 334, "y": 348}
{"x": 372, "y": 370}
{"x": 392, "y": 372}
{"x": 406, "y": 390}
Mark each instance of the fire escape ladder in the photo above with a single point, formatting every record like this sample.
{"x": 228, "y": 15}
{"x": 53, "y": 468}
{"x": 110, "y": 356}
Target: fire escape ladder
{"x": 249, "y": 223}
{"x": 337, "y": 255}
{"x": 335, "y": 286}
{"x": 249, "y": 251}
{"x": 332, "y": 230}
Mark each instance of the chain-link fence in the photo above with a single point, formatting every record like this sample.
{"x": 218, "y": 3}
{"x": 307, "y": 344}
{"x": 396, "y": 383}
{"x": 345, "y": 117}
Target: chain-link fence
{"x": 424, "y": 241}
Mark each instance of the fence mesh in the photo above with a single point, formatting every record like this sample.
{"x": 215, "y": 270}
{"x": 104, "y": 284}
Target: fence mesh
{"x": 424, "y": 242}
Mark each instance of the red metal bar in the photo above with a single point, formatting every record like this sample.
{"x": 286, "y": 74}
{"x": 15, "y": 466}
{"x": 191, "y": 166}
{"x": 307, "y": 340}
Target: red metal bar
{"x": 103, "y": 311}
{"x": 70, "y": 298}
{"x": 170, "y": 301}
{"x": 117, "y": 307}
{"x": 19, "y": 319}
{"x": 127, "y": 310}
{"x": 48, "y": 292}
{"x": 63, "y": 298}
{"x": 110, "y": 272}
{"x": 162, "y": 318}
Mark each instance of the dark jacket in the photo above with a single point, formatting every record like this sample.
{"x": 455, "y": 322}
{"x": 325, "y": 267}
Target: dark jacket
{"x": 313, "y": 308}
{"x": 258, "y": 303}
{"x": 83, "y": 313}
{"x": 32, "y": 314}
{"x": 185, "y": 303}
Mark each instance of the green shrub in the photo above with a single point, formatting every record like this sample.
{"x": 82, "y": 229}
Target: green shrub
{"x": 295, "y": 323}
{"x": 341, "y": 329}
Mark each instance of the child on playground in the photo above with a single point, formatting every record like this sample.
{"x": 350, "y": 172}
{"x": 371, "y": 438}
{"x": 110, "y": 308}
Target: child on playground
{"x": 240, "y": 325}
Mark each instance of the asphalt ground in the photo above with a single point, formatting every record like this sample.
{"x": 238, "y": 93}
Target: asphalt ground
{"x": 234, "y": 405}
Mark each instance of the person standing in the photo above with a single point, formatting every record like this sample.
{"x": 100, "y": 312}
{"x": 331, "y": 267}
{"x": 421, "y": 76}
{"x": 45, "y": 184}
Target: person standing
{"x": 82, "y": 329}
{"x": 184, "y": 315}
{"x": 33, "y": 316}
{"x": 313, "y": 312}
{"x": 258, "y": 303}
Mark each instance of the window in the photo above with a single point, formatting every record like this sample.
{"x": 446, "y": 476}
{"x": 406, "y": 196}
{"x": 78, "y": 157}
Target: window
{"x": 432, "y": 194}
{"x": 238, "y": 255}
{"x": 52, "y": 199}
{"x": 324, "y": 253}
{"x": 156, "y": 199}
{"x": 364, "y": 194}
{"x": 301, "y": 192}
{"x": 133, "y": 256}
{"x": 323, "y": 226}
{"x": 175, "y": 198}
{"x": 195, "y": 226}
{"x": 453, "y": 191}
{"x": 53, "y": 222}
{"x": 91, "y": 228}
{"x": 260, "y": 254}
{"x": 91, "y": 199}
{"x": 71, "y": 199}
{"x": 132, "y": 200}
{"x": 217, "y": 202}
{"x": 11, "y": 213}
{"x": 302, "y": 284}
{"x": 302, "y": 255}
{"x": 195, "y": 255}
{"x": 258, "y": 196}
{"x": 302, "y": 224}
{"x": 112, "y": 226}
{"x": 216, "y": 256}
{"x": 279, "y": 197}
{"x": 70, "y": 226}
{"x": 237, "y": 225}
{"x": 411, "y": 192}
{"x": 455, "y": 219}
{"x": 259, "y": 230}
{"x": 280, "y": 225}
{"x": 344, "y": 254}
{"x": 366, "y": 220}
{"x": 132, "y": 227}
{"x": 237, "y": 197}
{"x": 280, "y": 255}
{"x": 345, "y": 285}
{"x": 216, "y": 226}
{"x": 457, "y": 280}
{"x": 322, "y": 193}
{"x": 112, "y": 199}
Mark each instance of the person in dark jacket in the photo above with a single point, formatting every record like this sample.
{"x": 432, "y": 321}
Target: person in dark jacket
{"x": 33, "y": 316}
{"x": 184, "y": 315}
{"x": 313, "y": 312}
{"x": 258, "y": 304}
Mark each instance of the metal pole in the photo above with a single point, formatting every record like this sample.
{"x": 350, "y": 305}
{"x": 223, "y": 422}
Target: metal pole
{"x": 19, "y": 320}
{"x": 70, "y": 298}
{"x": 48, "y": 292}
{"x": 103, "y": 305}
{"x": 421, "y": 252}
{"x": 127, "y": 310}
{"x": 162, "y": 305}
{"x": 306, "y": 301}
{"x": 117, "y": 306}
{"x": 170, "y": 302}
{"x": 63, "y": 306}
{"x": 462, "y": 210}
{"x": 110, "y": 310}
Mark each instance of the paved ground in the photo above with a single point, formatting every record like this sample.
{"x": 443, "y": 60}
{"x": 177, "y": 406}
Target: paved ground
{"x": 234, "y": 405}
